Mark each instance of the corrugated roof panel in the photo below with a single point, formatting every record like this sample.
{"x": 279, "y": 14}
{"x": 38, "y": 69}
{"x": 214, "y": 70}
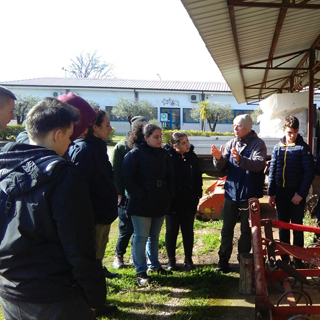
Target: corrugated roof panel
{"x": 121, "y": 84}
{"x": 255, "y": 31}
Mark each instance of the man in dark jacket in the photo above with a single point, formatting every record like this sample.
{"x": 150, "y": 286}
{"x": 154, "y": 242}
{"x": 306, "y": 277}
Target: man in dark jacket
{"x": 290, "y": 177}
{"x": 244, "y": 157}
{"x": 48, "y": 268}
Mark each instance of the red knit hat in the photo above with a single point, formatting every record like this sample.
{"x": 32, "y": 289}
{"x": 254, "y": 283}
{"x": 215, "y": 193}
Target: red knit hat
{"x": 87, "y": 114}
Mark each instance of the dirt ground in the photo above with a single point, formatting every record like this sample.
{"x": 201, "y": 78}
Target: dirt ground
{"x": 235, "y": 305}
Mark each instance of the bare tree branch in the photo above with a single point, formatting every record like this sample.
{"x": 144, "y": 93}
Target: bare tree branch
{"x": 88, "y": 65}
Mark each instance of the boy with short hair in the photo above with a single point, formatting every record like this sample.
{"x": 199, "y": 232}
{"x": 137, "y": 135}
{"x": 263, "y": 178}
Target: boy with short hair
{"x": 290, "y": 177}
{"x": 7, "y": 105}
{"x": 48, "y": 268}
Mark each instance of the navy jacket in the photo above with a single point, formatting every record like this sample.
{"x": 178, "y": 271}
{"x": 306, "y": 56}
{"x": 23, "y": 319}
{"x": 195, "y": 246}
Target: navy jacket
{"x": 91, "y": 159}
{"x": 148, "y": 177}
{"x": 291, "y": 167}
{"x": 245, "y": 179}
{"x": 188, "y": 182}
{"x": 47, "y": 248}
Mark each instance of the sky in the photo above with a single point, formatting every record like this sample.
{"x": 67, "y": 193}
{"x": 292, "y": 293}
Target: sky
{"x": 143, "y": 39}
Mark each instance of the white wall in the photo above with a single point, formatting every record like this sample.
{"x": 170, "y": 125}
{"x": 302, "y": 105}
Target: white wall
{"x": 108, "y": 97}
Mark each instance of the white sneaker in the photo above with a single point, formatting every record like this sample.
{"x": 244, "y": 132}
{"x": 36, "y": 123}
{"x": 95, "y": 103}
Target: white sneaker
{"x": 118, "y": 262}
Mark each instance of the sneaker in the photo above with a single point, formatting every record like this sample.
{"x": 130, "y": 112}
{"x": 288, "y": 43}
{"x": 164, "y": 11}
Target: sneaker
{"x": 188, "y": 264}
{"x": 106, "y": 310}
{"x": 160, "y": 271}
{"x": 171, "y": 264}
{"x": 143, "y": 279}
{"x": 118, "y": 261}
{"x": 108, "y": 274}
{"x": 130, "y": 259}
{"x": 222, "y": 267}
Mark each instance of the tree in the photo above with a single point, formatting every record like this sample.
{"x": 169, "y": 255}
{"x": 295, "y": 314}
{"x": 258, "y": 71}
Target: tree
{"x": 23, "y": 105}
{"x": 212, "y": 113}
{"x": 255, "y": 114}
{"x": 128, "y": 108}
{"x": 93, "y": 104}
{"x": 88, "y": 64}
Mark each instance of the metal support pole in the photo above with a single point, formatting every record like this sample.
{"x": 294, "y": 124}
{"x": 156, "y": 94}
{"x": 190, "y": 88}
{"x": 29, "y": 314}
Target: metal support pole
{"x": 311, "y": 93}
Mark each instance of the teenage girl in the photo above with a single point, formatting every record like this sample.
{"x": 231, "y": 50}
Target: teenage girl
{"x": 188, "y": 184}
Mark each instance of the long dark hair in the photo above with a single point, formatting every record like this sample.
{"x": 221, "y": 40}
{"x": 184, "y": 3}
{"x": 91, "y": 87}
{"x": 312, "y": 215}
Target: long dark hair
{"x": 138, "y": 132}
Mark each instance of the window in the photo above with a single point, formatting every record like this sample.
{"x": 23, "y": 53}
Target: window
{"x": 238, "y": 112}
{"x": 186, "y": 116}
{"x": 111, "y": 117}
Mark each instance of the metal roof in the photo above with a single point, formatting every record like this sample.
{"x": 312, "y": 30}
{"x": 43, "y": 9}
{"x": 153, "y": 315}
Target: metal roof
{"x": 261, "y": 46}
{"x": 121, "y": 84}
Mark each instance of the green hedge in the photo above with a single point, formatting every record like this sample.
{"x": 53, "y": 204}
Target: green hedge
{"x": 11, "y": 132}
{"x": 166, "y": 134}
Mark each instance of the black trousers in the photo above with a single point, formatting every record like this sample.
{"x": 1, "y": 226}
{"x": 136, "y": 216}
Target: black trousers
{"x": 125, "y": 230}
{"x": 289, "y": 212}
{"x": 230, "y": 214}
{"x": 173, "y": 223}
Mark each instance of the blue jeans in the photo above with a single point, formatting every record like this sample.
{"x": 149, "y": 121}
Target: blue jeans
{"x": 76, "y": 308}
{"x": 145, "y": 227}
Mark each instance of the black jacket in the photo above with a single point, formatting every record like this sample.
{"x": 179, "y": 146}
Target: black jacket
{"x": 149, "y": 180}
{"x": 91, "y": 159}
{"x": 188, "y": 182}
{"x": 47, "y": 251}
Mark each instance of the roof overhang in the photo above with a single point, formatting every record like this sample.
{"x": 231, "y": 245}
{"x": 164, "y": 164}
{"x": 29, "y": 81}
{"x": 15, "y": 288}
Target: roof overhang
{"x": 261, "y": 46}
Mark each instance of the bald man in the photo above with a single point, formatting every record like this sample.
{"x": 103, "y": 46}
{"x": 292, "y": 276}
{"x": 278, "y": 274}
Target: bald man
{"x": 7, "y": 104}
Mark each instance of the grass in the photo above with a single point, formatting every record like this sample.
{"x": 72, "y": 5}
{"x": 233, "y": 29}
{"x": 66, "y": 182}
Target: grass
{"x": 184, "y": 295}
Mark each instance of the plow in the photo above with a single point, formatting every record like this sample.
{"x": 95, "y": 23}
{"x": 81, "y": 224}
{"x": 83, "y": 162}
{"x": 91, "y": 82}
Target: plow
{"x": 291, "y": 298}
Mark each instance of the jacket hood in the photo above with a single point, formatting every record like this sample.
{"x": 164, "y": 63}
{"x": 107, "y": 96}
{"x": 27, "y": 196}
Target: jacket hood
{"x": 25, "y": 167}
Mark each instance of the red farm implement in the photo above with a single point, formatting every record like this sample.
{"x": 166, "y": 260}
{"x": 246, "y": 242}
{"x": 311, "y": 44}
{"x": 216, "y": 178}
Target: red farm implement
{"x": 293, "y": 300}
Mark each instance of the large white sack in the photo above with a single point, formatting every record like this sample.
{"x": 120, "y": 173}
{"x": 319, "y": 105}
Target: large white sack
{"x": 277, "y": 107}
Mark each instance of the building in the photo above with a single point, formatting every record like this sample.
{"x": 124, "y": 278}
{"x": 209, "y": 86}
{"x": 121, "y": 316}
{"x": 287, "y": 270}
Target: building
{"x": 173, "y": 99}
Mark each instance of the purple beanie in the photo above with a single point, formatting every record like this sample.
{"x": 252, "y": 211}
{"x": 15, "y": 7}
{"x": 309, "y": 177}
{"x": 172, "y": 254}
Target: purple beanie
{"x": 87, "y": 114}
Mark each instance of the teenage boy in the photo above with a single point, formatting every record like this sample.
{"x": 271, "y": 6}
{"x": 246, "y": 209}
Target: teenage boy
{"x": 7, "y": 105}
{"x": 244, "y": 157}
{"x": 290, "y": 176}
{"x": 48, "y": 268}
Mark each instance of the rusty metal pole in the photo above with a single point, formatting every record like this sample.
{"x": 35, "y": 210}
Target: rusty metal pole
{"x": 260, "y": 279}
{"x": 311, "y": 98}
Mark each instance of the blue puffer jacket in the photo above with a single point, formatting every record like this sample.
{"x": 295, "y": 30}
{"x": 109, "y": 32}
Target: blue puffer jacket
{"x": 148, "y": 178}
{"x": 291, "y": 167}
{"x": 47, "y": 248}
{"x": 245, "y": 179}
